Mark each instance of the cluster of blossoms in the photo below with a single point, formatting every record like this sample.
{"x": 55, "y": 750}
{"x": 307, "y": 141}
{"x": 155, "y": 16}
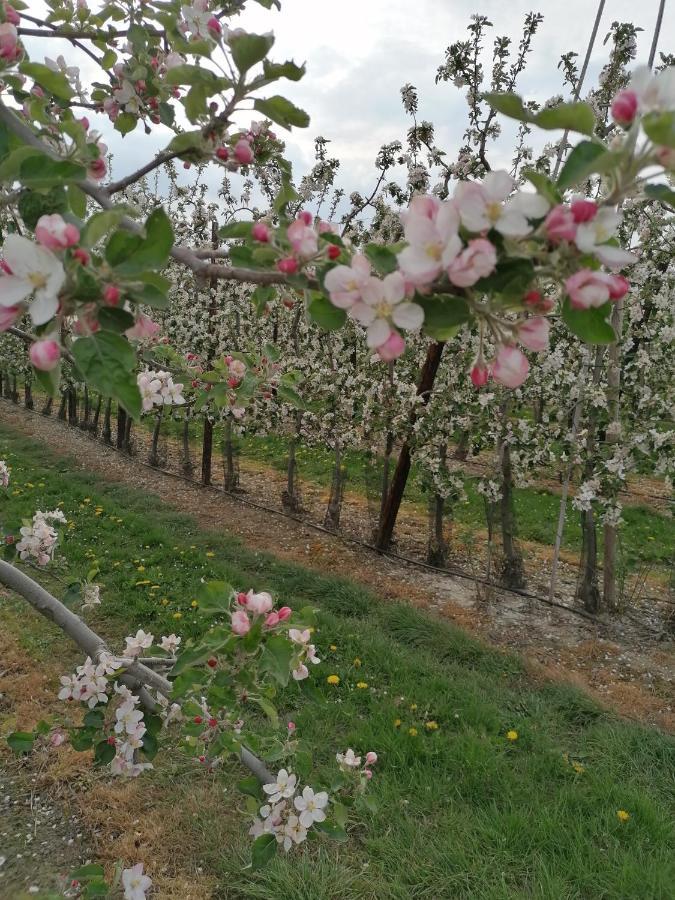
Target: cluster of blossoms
{"x": 4, "y": 474}
{"x": 91, "y": 595}
{"x": 159, "y": 389}
{"x": 89, "y": 683}
{"x": 38, "y": 540}
{"x": 253, "y": 607}
{"x": 288, "y": 815}
{"x": 350, "y": 762}
{"x": 306, "y": 652}
{"x": 129, "y": 731}
{"x": 300, "y": 243}
{"x": 11, "y": 50}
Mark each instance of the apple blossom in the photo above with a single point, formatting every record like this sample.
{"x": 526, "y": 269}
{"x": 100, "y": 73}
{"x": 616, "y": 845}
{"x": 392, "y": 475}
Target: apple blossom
{"x": 45, "y": 355}
{"x": 510, "y": 366}
{"x": 260, "y": 232}
{"x": 142, "y": 329}
{"x": 346, "y": 283}
{"x": 591, "y": 237}
{"x": 241, "y": 624}
{"x": 300, "y": 672}
{"x": 311, "y": 806}
{"x": 302, "y": 237}
{"x": 533, "y": 333}
{"x": 243, "y": 152}
{"x": 560, "y": 224}
{"x": 170, "y": 643}
{"x": 140, "y": 641}
{"x": 382, "y": 306}
{"x": 485, "y": 205}
{"x": 34, "y": 271}
{"x": 392, "y": 348}
{"x": 348, "y": 760}
{"x": 476, "y": 261}
{"x": 8, "y": 315}
{"x": 431, "y": 231}
{"x": 588, "y": 288}
{"x": 371, "y": 758}
{"x": 135, "y": 883}
{"x": 11, "y": 15}
{"x": 10, "y": 48}
{"x": 654, "y": 92}
{"x": 111, "y": 295}
{"x": 56, "y": 234}
{"x": 282, "y": 788}
{"x": 259, "y": 604}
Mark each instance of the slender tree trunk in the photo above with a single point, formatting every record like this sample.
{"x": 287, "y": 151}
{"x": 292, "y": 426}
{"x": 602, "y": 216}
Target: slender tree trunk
{"x": 2, "y": 383}
{"x": 437, "y": 546}
{"x": 28, "y": 393}
{"x": 153, "y": 458}
{"x": 290, "y": 498}
{"x": 512, "y": 571}
{"x": 399, "y": 481}
{"x": 62, "y": 405}
{"x": 462, "y": 449}
{"x": 187, "y": 467}
{"x": 47, "y": 408}
{"x": 97, "y": 415}
{"x": 128, "y": 422}
{"x": 337, "y": 487}
{"x": 15, "y": 390}
{"x": 612, "y": 436}
{"x": 106, "y": 434}
{"x": 386, "y": 479}
{"x": 207, "y": 451}
{"x": 230, "y": 474}
{"x": 121, "y": 425}
{"x": 86, "y": 413}
{"x": 72, "y": 407}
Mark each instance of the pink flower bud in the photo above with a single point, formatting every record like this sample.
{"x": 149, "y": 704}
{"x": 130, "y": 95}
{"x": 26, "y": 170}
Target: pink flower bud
{"x": 243, "y": 152}
{"x": 625, "y": 107}
{"x": 392, "y": 348}
{"x": 8, "y": 315}
{"x": 143, "y": 328}
{"x": 618, "y": 287}
{"x": 56, "y": 738}
{"x": 81, "y": 256}
{"x": 510, "y": 366}
{"x": 84, "y": 122}
{"x": 260, "y": 232}
{"x": 559, "y": 225}
{"x": 242, "y": 598}
{"x": 45, "y": 354}
{"x": 111, "y": 295}
{"x": 288, "y": 265}
{"x": 588, "y": 289}
{"x": 284, "y": 613}
{"x": 272, "y": 620}
{"x": 241, "y": 624}
{"x": 11, "y": 15}
{"x": 291, "y": 727}
{"x": 56, "y": 234}
{"x": 305, "y": 217}
{"x": 10, "y": 48}
{"x": 368, "y": 774}
{"x": 583, "y": 210}
{"x": 480, "y": 374}
{"x": 214, "y": 26}
{"x": 371, "y": 758}
{"x": 97, "y": 169}
{"x": 223, "y": 154}
{"x": 533, "y": 333}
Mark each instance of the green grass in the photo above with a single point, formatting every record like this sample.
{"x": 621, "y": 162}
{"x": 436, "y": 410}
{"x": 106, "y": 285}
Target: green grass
{"x": 461, "y": 812}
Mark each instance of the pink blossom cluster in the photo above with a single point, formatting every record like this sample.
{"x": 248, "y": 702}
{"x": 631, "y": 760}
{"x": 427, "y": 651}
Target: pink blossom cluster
{"x": 350, "y": 762}
{"x": 159, "y": 389}
{"x": 38, "y": 540}
{"x": 251, "y": 607}
{"x": 289, "y": 815}
{"x": 10, "y": 45}
{"x": 305, "y": 652}
{"x": 129, "y": 731}
{"x": 90, "y": 682}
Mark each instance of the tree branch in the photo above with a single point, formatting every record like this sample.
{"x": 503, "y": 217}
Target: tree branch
{"x": 161, "y": 158}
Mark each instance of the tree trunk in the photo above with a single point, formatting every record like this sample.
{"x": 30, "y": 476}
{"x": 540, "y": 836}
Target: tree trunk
{"x": 337, "y": 488}
{"x": 207, "y": 451}
{"x": 588, "y": 591}
{"x": 462, "y": 449}
{"x": 230, "y": 473}
{"x": 62, "y": 405}
{"x": 47, "y": 408}
{"x": 153, "y": 458}
{"x": 290, "y": 498}
{"x": 399, "y": 481}
{"x": 512, "y": 572}
{"x": 612, "y": 436}
{"x": 437, "y": 547}
{"x": 97, "y": 415}
{"x": 72, "y": 407}
{"x": 121, "y": 425}
{"x": 128, "y": 422}
{"x": 187, "y": 467}
{"x": 15, "y": 390}
{"x": 28, "y": 393}
{"x": 86, "y": 414}
{"x": 106, "y": 434}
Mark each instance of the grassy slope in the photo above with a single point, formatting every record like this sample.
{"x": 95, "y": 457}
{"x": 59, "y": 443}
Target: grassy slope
{"x": 462, "y": 812}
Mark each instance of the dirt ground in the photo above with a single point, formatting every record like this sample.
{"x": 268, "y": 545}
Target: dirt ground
{"x": 620, "y": 661}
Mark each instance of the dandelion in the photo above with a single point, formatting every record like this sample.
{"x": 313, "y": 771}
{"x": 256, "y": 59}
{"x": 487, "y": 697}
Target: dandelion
{"x": 357, "y": 663}
{"x": 141, "y": 569}
{"x": 362, "y": 685}
{"x": 622, "y": 815}
{"x": 512, "y": 735}
{"x": 397, "y": 723}
{"x": 332, "y": 647}
{"x": 178, "y": 615}
{"x": 333, "y": 679}
{"x": 431, "y": 725}
{"x": 210, "y": 553}
{"x": 578, "y": 768}
{"x": 413, "y": 706}
{"x": 194, "y": 604}
{"x": 412, "y": 732}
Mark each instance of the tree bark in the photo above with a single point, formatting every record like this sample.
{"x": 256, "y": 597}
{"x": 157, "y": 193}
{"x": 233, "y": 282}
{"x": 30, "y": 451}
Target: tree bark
{"x": 72, "y": 407}
{"x": 186, "y": 465}
{"x": 106, "y": 434}
{"x": 512, "y": 572}
{"x": 62, "y": 405}
{"x": 47, "y": 408}
{"x": 121, "y": 425}
{"x": 400, "y": 478}
{"x": 290, "y": 498}
{"x": 337, "y": 487}
{"x": 153, "y": 458}
{"x": 207, "y": 451}
{"x": 97, "y": 415}
{"x": 128, "y": 422}
{"x": 86, "y": 413}
{"x": 612, "y": 436}
{"x": 28, "y": 393}
{"x": 230, "y": 474}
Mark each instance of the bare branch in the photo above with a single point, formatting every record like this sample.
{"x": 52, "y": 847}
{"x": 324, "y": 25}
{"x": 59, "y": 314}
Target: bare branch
{"x": 161, "y": 158}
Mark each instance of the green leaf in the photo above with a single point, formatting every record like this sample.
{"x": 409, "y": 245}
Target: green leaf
{"x": 251, "y": 787}
{"x": 150, "y": 745}
{"x": 49, "y": 381}
{"x": 125, "y": 123}
{"x": 268, "y": 708}
{"x": 571, "y": 116}
{"x": 81, "y": 738}
{"x": 322, "y": 311}
{"x": 195, "y": 656}
{"x": 288, "y": 395}
{"x": 261, "y": 296}
{"x": 590, "y": 325}
{"x": 99, "y": 225}
{"x": 584, "y": 159}
{"x": 192, "y": 75}
{"x": 33, "y": 204}
{"x": 115, "y": 319}
{"x": 661, "y": 192}
{"x": 54, "y": 83}
{"x": 333, "y": 831}
{"x": 188, "y": 140}
{"x": 275, "y": 71}
{"x": 85, "y": 873}
{"x": 444, "y": 314}
{"x": 249, "y": 49}
{"x": 276, "y": 658}
{"x": 195, "y": 102}
{"x": 21, "y": 741}
{"x": 104, "y": 753}
{"x": 382, "y": 258}
{"x": 262, "y": 851}
{"x": 94, "y": 718}
{"x": 214, "y": 597}
{"x": 106, "y": 361}
{"x": 43, "y": 172}
{"x": 282, "y": 111}
{"x": 660, "y": 127}
{"x": 341, "y": 814}
{"x": 153, "y": 250}
{"x": 236, "y": 230}
{"x": 78, "y": 201}
{"x": 544, "y": 186}
{"x": 510, "y": 105}
{"x": 511, "y": 279}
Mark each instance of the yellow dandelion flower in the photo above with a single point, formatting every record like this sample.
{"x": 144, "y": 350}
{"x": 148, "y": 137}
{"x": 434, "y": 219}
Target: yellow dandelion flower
{"x": 178, "y": 615}
{"x": 622, "y": 815}
{"x": 512, "y": 735}
{"x": 357, "y": 663}
{"x": 362, "y": 685}
{"x": 578, "y": 768}
{"x": 412, "y": 732}
{"x": 165, "y": 602}
{"x": 29, "y": 484}
{"x": 413, "y": 706}
{"x": 141, "y": 569}
{"x": 397, "y": 723}
{"x": 431, "y": 725}
{"x": 210, "y": 553}
{"x": 332, "y": 647}
{"x": 194, "y": 604}
{"x": 333, "y": 679}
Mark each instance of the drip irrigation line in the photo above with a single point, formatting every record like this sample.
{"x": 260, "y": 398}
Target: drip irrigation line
{"x": 345, "y": 539}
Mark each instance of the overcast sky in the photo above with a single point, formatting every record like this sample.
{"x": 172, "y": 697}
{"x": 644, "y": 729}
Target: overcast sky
{"x": 360, "y": 52}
